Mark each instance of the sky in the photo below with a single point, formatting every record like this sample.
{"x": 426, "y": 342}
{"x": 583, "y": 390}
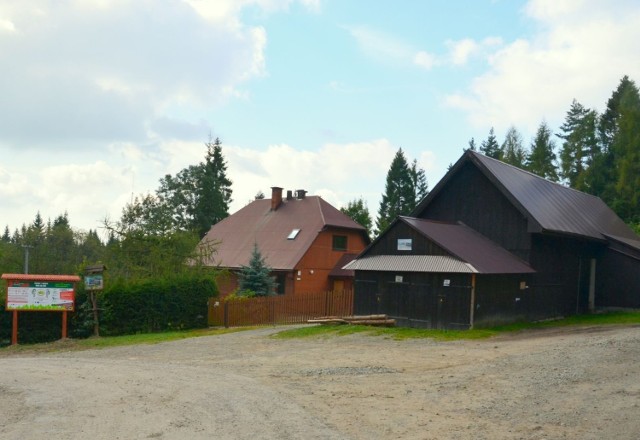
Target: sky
{"x": 99, "y": 99}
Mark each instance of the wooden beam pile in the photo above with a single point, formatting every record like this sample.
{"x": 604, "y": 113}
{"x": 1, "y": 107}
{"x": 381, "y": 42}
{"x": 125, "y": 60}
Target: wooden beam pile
{"x": 375, "y": 320}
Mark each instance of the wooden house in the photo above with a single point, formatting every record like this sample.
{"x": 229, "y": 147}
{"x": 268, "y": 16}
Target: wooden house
{"x": 493, "y": 244}
{"x": 303, "y": 239}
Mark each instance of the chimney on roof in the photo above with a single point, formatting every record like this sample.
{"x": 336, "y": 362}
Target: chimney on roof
{"x": 276, "y": 197}
{"x": 289, "y": 194}
{"x": 300, "y": 194}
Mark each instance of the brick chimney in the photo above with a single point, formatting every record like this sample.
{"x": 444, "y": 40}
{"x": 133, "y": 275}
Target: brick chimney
{"x": 276, "y": 197}
{"x": 300, "y": 194}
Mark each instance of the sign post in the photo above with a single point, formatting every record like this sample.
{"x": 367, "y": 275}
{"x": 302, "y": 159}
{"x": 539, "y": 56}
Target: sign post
{"x": 94, "y": 282}
{"x": 40, "y": 293}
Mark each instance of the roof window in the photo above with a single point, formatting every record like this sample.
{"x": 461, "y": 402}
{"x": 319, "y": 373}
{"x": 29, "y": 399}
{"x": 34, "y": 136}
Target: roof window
{"x": 293, "y": 235}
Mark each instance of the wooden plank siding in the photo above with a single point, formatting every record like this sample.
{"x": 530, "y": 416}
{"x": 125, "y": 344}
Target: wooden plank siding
{"x": 388, "y": 243}
{"x": 474, "y": 200}
{"x": 282, "y": 309}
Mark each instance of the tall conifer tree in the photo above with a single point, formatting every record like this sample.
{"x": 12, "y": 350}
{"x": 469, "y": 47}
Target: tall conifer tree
{"x": 405, "y": 186}
{"x": 542, "y": 158}
{"x": 490, "y": 147}
{"x": 513, "y": 151}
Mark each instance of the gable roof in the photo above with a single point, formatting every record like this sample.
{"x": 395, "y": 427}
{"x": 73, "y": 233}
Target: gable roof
{"x": 256, "y": 223}
{"x": 548, "y": 206}
{"x": 470, "y": 252}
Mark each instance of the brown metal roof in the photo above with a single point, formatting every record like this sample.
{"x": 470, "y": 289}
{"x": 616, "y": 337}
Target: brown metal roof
{"x": 549, "y": 206}
{"x": 257, "y": 223}
{"x": 35, "y": 277}
{"x": 469, "y": 246}
{"x": 411, "y": 263}
{"x": 339, "y": 271}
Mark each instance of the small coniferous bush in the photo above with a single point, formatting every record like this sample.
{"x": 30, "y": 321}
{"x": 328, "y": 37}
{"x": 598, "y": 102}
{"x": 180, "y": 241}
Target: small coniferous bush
{"x": 256, "y": 279}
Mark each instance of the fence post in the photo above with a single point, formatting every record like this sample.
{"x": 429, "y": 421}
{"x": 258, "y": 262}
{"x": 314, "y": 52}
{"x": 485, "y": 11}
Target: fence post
{"x": 226, "y": 314}
{"x": 326, "y": 303}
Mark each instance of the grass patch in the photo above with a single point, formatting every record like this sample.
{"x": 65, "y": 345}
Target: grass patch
{"x": 400, "y": 333}
{"x": 114, "y": 341}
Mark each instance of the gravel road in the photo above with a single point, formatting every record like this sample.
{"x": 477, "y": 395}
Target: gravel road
{"x": 572, "y": 383}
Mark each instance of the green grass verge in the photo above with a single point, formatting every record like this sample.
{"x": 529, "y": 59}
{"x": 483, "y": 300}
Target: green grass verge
{"x": 399, "y": 333}
{"x": 326, "y": 331}
{"x": 115, "y": 341}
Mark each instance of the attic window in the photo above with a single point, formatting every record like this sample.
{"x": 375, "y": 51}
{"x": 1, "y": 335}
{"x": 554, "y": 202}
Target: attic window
{"x": 293, "y": 235}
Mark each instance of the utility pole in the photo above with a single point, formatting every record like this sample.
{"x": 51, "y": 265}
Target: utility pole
{"x": 26, "y": 257}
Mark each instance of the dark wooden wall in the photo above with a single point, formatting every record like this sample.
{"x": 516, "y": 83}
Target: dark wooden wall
{"x": 617, "y": 279}
{"x": 471, "y": 198}
{"x": 563, "y": 267}
{"x": 388, "y": 243}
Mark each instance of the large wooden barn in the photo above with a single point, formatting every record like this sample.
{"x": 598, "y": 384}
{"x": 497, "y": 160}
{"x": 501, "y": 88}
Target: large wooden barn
{"x": 495, "y": 244}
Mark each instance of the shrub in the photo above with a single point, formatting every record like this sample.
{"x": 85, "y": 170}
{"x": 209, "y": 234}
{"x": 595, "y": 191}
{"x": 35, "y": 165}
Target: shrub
{"x": 156, "y": 305}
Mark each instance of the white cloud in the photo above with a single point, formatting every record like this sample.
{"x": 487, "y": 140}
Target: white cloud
{"x": 580, "y": 50}
{"x": 462, "y": 50}
{"x": 101, "y": 70}
{"x": 387, "y": 48}
{"x": 424, "y": 60}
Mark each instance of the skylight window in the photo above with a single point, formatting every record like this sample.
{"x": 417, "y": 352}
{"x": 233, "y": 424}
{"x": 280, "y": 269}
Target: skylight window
{"x": 293, "y": 235}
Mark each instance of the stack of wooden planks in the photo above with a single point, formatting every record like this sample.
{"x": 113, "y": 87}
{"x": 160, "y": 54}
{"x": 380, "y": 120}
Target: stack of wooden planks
{"x": 375, "y": 320}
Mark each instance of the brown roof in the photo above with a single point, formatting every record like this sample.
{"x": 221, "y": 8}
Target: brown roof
{"x": 548, "y": 206}
{"x": 339, "y": 271}
{"x": 469, "y": 252}
{"x": 257, "y": 223}
{"x": 469, "y": 246}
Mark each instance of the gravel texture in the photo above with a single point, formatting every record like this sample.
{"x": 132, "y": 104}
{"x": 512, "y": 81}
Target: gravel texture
{"x": 572, "y": 383}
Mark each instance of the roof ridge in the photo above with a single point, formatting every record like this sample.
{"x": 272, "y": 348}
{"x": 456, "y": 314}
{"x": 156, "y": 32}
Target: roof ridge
{"x": 502, "y": 163}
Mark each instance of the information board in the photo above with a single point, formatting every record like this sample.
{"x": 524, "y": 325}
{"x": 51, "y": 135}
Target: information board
{"x": 40, "y": 295}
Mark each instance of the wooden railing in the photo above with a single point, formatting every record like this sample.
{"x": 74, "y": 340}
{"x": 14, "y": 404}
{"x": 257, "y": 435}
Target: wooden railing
{"x": 282, "y": 309}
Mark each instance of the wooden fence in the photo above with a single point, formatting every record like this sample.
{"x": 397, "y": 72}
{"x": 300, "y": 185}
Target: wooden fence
{"x": 281, "y": 309}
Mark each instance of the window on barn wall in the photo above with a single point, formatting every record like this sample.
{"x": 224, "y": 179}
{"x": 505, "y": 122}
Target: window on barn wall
{"x": 339, "y": 242}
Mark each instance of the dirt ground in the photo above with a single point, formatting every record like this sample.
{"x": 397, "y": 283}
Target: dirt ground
{"x": 552, "y": 384}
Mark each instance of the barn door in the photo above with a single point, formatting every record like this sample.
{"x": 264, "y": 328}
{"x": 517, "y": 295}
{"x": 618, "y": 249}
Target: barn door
{"x": 453, "y": 304}
{"x": 366, "y": 299}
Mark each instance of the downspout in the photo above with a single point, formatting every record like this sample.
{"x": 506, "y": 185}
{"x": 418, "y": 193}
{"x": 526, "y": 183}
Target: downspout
{"x": 473, "y": 301}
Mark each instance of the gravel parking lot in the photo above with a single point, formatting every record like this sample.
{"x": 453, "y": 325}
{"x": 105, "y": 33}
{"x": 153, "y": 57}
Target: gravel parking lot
{"x": 571, "y": 383}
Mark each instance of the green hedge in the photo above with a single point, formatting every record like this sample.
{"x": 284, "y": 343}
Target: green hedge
{"x": 156, "y": 305}
{"x": 125, "y": 308}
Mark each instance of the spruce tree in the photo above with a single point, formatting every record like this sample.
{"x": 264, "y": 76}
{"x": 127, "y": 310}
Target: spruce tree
{"x": 213, "y": 190}
{"x": 626, "y": 152}
{"x": 420, "y": 185}
{"x": 580, "y": 146}
{"x": 400, "y": 193}
{"x": 255, "y": 279}
{"x": 541, "y": 159}
{"x": 513, "y": 152}
{"x": 472, "y": 145}
{"x": 490, "y": 147}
